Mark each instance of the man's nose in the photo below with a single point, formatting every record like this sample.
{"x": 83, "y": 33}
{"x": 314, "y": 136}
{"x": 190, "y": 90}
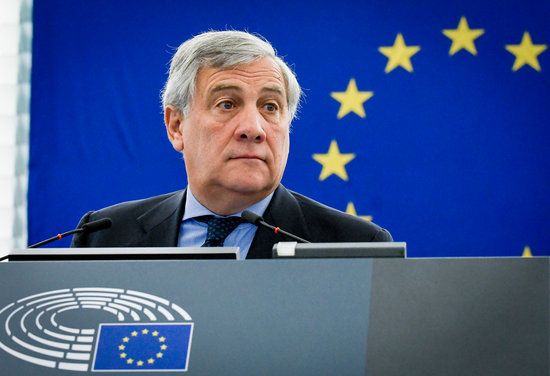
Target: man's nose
{"x": 250, "y": 125}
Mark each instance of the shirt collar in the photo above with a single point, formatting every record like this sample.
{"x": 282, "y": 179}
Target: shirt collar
{"x": 193, "y": 208}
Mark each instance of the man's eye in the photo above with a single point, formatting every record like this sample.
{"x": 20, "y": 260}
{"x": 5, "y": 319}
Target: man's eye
{"x": 271, "y": 107}
{"x": 226, "y": 105}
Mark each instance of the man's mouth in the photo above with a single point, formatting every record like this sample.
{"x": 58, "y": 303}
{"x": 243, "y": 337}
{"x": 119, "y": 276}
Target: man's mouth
{"x": 247, "y": 156}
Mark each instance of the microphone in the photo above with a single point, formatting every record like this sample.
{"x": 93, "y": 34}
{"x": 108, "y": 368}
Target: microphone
{"x": 93, "y": 226}
{"x": 257, "y": 220}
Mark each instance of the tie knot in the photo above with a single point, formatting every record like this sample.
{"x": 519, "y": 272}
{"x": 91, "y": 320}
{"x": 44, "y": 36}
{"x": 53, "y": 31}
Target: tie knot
{"x": 218, "y": 229}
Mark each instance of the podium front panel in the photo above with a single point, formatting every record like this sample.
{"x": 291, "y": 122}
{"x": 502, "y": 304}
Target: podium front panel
{"x": 276, "y": 317}
{"x": 301, "y": 317}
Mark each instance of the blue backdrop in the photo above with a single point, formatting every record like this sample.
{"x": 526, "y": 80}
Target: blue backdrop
{"x": 431, "y": 117}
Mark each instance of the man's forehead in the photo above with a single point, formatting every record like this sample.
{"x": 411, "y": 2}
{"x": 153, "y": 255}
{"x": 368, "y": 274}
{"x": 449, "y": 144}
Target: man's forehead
{"x": 264, "y": 75}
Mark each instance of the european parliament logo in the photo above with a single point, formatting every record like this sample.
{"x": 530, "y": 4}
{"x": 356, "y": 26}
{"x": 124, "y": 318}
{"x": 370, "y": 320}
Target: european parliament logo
{"x": 136, "y": 331}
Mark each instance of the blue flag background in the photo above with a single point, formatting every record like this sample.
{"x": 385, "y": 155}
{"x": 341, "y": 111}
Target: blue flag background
{"x": 430, "y": 117}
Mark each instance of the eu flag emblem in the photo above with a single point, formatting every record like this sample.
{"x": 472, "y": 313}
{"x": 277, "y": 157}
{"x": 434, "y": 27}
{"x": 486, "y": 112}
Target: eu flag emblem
{"x": 143, "y": 347}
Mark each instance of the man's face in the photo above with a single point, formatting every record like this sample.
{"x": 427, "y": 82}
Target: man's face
{"x": 235, "y": 140}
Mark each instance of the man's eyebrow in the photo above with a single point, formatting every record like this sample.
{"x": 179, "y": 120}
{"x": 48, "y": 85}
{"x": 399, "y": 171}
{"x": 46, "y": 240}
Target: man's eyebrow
{"x": 217, "y": 88}
{"x": 273, "y": 89}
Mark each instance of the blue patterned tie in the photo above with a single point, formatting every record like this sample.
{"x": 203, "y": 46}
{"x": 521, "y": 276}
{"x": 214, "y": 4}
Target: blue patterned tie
{"x": 218, "y": 229}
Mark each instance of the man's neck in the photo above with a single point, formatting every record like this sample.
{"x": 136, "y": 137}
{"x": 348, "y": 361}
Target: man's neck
{"x": 229, "y": 203}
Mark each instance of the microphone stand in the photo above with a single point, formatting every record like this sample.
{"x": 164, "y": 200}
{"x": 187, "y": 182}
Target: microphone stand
{"x": 58, "y": 237}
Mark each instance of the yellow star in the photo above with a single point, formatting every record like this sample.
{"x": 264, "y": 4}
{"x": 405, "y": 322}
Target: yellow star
{"x": 159, "y": 355}
{"x": 134, "y": 333}
{"x": 527, "y": 252}
{"x": 123, "y": 355}
{"x": 163, "y": 347}
{"x": 351, "y": 210}
{"x": 162, "y": 339}
{"x": 121, "y": 347}
{"x": 139, "y": 362}
{"x": 399, "y": 54}
{"x": 130, "y": 361}
{"x": 145, "y": 331}
{"x": 125, "y": 339}
{"x": 333, "y": 162}
{"x": 463, "y": 37}
{"x": 351, "y": 100}
{"x": 155, "y": 333}
{"x": 526, "y": 52}
{"x": 151, "y": 361}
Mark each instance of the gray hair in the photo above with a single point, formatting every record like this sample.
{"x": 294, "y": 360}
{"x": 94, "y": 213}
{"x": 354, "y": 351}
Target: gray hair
{"x": 221, "y": 49}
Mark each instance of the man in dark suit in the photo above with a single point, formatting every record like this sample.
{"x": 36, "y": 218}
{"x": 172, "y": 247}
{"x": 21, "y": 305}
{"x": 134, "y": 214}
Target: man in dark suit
{"x": 229, "y": 101}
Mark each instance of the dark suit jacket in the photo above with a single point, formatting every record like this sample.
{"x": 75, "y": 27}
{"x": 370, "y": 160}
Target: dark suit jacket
{"x": 155, "y": 222}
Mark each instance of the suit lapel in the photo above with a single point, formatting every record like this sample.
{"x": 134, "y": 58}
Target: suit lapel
{"x": 285, "y": 212}
{"x": 161, "y": 224}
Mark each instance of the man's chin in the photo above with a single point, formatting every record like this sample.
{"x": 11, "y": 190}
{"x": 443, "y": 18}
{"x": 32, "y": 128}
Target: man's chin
{"x": 251, "y": 187}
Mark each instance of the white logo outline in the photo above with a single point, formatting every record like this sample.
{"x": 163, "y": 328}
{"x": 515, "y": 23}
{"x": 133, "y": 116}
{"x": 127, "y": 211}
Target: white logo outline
{"x": 47, "y": 343}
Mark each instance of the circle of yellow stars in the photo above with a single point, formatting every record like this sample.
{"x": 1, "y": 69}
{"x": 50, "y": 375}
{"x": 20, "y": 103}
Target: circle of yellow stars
{"x": 352, "y": 100}
{"x": 139, "y": 362}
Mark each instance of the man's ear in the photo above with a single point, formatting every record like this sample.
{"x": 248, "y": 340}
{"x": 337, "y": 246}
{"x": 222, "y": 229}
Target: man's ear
{"x": 173, "y": 118}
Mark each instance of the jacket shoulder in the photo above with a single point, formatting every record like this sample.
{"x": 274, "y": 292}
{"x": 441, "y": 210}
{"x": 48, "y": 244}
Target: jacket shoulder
{"x": 327, "y": 224}
{"x": 133, "y": 208}
{"x": 127, "y": 220}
